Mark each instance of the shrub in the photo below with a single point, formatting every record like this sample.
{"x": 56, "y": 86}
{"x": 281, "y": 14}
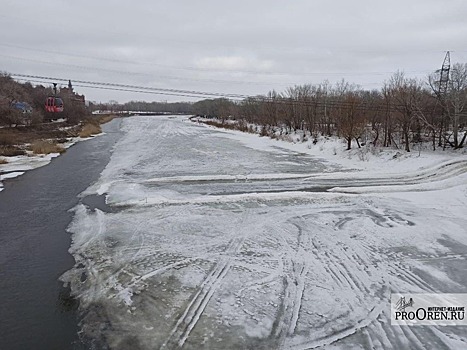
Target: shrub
{"x": 106, "y": 118}
{"x": 46, "y": 147}
{"x": 74, "y": 111}
{"x": 93, "y": 121}
{"x": 7, "y": 140}
{"x": 243, "y": 126}
{"x": 363, "y": 154}
{"x": 11, "y": 151}
{"x": 90, "y": 129}
{"x": 3, "y": 161}
{"x": 37, "y": 117}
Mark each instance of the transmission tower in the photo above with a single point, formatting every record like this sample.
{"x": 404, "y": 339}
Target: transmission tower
{"x": 444, "y": 76}
{"x": 442, "y": 91}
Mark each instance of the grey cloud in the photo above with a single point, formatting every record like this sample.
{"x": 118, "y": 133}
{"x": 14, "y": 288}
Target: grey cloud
{"x": 232, "y": 44}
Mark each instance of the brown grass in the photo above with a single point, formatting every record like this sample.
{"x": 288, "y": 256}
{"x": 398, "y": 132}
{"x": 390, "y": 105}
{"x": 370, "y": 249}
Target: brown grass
{"x": 46, "y": 147}
{"x": 3, "y": 161}
{"x": 90, "y": 129}
{"x": 29, "y": 134}
{"x": 106, "y": 118}
{"x": 11, "y": 151}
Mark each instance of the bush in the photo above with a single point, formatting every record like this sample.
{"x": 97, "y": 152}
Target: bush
{"x": 93, "y": 121}
{"x": 46, "y": 147}
{"x": 74, "y": 111}
{"x": 106, "y": 118}
{"x": 90, "y": 129}
{"x": 37, "y": 118}
{"x": 7, "y": 140}
{"x": 11, "y": 151}
{"x": 10, "y": 116}
{"x": 3, "y": 161}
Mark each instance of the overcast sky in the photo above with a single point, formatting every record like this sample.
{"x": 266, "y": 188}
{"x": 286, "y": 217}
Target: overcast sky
{"x": 241, "y": 47}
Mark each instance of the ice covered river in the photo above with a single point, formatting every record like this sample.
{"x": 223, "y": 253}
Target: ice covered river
{"x": 211, "y": 242}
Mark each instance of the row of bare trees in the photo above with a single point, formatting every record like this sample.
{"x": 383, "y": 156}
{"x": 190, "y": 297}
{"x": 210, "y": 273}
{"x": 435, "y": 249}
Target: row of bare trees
{"x": 403, "y": 112}
{"x": 143, "y": 106}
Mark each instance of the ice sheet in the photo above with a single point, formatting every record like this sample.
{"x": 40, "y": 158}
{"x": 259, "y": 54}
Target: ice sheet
{"x": 213, "y": 243}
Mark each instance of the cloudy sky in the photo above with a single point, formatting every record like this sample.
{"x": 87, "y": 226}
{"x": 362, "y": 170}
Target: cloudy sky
{"x": 236, "y": 47}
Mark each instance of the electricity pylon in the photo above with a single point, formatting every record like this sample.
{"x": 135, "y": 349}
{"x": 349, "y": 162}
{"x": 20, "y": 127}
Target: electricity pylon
{"x": 444, "y": 76}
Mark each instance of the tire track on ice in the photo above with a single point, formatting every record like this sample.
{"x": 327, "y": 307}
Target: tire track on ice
{"x": 350, "y": 269}
{"x": 192, "y": 313}
{"x": 294, "y": 281}
{"x": 332, "y": 338}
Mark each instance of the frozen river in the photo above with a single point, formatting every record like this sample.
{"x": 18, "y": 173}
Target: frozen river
{"x": 208, "y": 241}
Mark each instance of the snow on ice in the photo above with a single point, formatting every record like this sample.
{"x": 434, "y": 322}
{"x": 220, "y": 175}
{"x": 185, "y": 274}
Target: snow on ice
{"x": 223, "y": 240}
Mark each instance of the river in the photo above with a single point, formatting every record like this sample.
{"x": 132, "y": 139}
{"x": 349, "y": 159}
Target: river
{"x": 36, "y": 310}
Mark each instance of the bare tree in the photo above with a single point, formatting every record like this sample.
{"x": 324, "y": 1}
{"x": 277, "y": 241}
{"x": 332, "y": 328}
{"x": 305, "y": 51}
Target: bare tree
{"x": 406, "y": 94}
{"x": 403, "y": 107}
{"x": 456, "y": 100}
{"x": 351, "y": 119}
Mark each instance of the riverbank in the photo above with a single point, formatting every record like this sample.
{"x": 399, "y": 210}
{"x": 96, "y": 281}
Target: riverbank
{"x": 56, "y": 137}
{"x": 333, "y": 150}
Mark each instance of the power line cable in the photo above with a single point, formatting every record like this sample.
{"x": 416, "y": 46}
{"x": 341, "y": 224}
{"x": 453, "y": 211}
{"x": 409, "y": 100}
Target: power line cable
{"x": 143, "y": 88}
{"x": 218, "y": 81}
{"x": 329, "y": 102}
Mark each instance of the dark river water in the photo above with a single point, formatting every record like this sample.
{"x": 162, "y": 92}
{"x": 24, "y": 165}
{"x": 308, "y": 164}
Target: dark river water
{"x": 35, "y": 309}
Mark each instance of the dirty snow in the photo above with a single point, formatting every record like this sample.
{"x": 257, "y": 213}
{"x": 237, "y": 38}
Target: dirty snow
{"x": 223, "y": 240}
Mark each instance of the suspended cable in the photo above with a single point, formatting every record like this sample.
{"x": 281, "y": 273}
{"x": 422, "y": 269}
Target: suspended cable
{"x": 329, "y": 101}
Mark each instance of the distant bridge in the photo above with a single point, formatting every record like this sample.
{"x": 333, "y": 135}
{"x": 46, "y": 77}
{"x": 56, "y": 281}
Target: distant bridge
{"x": 132, "y": 113}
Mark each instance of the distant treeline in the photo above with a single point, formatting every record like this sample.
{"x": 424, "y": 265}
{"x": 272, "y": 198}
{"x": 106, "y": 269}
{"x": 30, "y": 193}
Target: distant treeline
{"x": 403, "y": 112}
{"x": 142, "y": 106}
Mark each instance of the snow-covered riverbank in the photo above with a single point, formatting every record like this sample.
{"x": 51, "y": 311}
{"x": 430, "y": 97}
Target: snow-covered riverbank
{"x": 334, "y": 150}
